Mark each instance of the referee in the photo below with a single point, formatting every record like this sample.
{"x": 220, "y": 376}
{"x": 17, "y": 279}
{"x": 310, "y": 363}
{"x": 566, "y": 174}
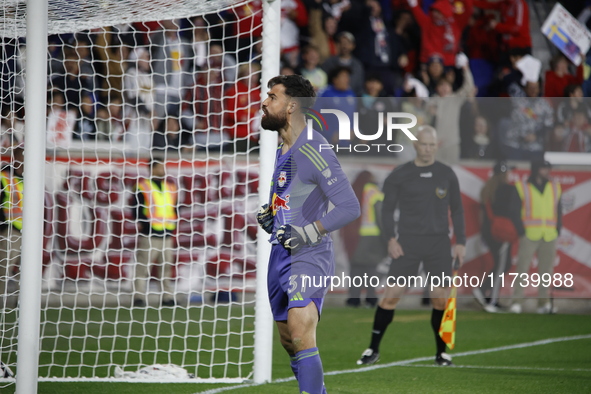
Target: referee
{"x": 425, "y": 191}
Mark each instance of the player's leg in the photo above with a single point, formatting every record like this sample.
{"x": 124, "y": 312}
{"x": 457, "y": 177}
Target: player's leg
{"x": 401, "y": 267}
{"x": 306, "y": 287}
{"x": 525, "y": 254}
{"x": 142, "y": 264}
{"x": 302, "y": 322}
{"x": 285, "y": 339}
{"x": 385, "y": 313}
{"x": 278, "y": 279}
{"x": 546, "y": 257}
{"x": 439, "y": 264}
{"x": 371, "y": 298}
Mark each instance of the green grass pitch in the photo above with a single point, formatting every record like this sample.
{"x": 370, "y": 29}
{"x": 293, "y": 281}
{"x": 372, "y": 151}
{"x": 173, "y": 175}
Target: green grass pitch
{"x": 533, "y": 360}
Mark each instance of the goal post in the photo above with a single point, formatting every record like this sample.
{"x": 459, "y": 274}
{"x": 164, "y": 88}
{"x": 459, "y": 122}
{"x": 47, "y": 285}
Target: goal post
{"x": 34, "y": 182}
{"x": 263, "y": 358}
{"x": 121, "y": 95}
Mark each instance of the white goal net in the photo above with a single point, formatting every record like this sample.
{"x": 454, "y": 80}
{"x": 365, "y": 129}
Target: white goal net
{"x": 151, "y": 183}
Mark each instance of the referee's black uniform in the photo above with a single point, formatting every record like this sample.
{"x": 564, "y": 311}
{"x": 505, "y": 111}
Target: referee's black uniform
{"x": 424, "y": 196}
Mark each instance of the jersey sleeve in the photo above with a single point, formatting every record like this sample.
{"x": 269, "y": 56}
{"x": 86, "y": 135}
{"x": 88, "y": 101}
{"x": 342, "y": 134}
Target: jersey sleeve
{"x": 325, "y": 171}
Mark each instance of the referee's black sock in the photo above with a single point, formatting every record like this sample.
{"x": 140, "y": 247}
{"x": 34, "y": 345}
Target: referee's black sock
{"x": 436, "y": 317}
{"x": 381, "y": 321}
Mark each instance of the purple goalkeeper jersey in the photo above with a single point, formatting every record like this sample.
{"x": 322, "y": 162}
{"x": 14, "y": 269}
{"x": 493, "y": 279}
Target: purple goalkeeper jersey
{"x": 306, "y": 179}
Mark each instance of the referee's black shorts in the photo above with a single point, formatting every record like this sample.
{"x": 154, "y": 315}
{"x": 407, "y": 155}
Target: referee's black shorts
{"x": 433, "y": 250}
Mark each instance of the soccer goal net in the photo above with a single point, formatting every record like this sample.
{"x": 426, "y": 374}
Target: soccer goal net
{"x": 151, "y": 178}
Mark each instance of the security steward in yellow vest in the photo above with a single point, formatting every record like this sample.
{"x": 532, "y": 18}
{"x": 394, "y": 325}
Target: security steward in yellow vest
{"x": 370, "y": 248}
{"x": 11, "y": 224}
{"x": 541, "y": 214}
{"x": 155, "y": 208}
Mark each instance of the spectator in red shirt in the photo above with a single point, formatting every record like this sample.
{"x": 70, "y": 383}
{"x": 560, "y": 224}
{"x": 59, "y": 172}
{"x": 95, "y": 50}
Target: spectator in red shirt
{"x": 248, "y": 27}
{"x": 441, "y": 29}
{"x": 514, "y": 23}
{"x": 204, "y": 109}
{"x": 242, "y": 107}
{"x": 293, "y": 17}
{"x": 478, "y": 43}
{"x": 559, "y": 77}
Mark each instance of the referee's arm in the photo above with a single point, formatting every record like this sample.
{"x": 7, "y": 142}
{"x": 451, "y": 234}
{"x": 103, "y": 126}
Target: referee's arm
{"x": 391, "y": 193}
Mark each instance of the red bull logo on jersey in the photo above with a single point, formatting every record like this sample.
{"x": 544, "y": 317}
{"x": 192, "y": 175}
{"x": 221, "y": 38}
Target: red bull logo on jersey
{"x": 278, "y": 203}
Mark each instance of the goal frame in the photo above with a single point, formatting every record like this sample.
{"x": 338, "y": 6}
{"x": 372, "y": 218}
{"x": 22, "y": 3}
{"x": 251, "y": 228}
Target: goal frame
{"x": 34, "y": 183}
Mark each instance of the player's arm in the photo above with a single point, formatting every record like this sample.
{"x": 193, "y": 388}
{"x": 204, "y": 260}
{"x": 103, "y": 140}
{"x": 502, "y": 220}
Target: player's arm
{"x": 325, "y": 171}
{"x": 391, "y": 194}
{"x": 457, "y": 218}
{"x": 339, "y": 192}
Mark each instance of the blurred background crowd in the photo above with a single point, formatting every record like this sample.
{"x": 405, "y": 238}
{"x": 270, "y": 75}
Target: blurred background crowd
{"x": 465, "y": 66}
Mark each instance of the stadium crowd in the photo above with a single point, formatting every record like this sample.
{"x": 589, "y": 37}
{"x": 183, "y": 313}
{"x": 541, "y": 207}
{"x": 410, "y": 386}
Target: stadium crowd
{"x": 194, "y": 83}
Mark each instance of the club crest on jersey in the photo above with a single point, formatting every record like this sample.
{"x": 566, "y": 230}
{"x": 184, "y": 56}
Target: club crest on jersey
{"x": 440, "y": 192}
{"x": 279, "y": 203}
{"x": 282, "y": 178}
{"x": 327, "y": 174}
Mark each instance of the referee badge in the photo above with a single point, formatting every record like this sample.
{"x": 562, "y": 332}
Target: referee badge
{"x": 440, "y": 192}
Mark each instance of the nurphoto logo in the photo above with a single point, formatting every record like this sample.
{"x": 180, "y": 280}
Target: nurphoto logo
{"x": 344, "y": 130}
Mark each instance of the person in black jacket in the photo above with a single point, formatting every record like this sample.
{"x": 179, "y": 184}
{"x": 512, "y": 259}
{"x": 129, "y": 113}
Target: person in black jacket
{"x": 365, "y": 21}
{"x": 502, "y": 198}
{"x": 425, "y": 191}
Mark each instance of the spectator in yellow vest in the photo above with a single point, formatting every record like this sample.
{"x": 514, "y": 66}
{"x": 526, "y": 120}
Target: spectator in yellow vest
{"x": 541, "y": 214}
{"x": 155, "y": 208}
{"x": 11, "y": 223}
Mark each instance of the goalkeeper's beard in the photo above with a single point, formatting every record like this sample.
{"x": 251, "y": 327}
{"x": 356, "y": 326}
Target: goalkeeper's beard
{"x": 274, "y": 123}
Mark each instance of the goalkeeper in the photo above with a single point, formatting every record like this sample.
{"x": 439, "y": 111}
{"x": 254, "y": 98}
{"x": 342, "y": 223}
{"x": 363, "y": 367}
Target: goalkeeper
{"x": 305, "y": 181}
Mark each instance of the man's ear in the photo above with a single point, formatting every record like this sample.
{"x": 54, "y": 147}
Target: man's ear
{"x": 292, "y": 107}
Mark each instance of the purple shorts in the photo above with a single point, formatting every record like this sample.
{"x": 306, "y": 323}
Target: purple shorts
{"x": 293, "y": 281}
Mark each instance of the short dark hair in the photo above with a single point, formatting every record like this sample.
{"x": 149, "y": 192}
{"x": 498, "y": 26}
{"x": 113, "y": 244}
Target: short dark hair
{"x": 334, "y": 73}
{"x": 570, "y": 89}
{"x": 296, "y": 87}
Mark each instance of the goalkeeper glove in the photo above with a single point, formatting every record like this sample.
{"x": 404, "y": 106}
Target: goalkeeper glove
{"x": 292, "y": 237}
{"x": 265, "y": 218}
